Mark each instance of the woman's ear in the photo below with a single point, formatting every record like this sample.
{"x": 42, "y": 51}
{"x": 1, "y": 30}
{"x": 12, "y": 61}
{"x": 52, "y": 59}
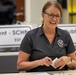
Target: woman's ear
{"x": 42, "y": 15}
{"x": 42, "y": 18}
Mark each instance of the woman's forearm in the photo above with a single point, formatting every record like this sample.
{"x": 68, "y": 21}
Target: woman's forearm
{"x": 27, "y": 65}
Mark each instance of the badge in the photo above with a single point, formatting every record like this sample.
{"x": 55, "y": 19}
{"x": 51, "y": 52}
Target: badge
{"x": 60, "y": 43}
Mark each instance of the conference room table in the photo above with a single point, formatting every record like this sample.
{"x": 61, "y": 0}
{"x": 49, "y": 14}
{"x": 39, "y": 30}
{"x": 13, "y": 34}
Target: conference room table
{"x": 69, "y": 72}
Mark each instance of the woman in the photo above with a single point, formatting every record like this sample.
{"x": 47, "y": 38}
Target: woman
{"x": 42, "y": 45}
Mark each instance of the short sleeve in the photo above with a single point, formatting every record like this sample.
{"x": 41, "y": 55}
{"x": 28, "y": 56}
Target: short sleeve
{"x": 26, "y": 44}
{"x": 70, "y": 44}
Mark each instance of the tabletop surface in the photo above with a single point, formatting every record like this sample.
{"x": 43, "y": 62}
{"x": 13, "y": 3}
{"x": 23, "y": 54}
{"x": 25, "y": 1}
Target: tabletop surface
{"x": 69, "y": 72}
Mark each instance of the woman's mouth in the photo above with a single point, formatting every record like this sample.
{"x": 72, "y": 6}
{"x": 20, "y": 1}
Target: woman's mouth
{"x": 52, "y": 22}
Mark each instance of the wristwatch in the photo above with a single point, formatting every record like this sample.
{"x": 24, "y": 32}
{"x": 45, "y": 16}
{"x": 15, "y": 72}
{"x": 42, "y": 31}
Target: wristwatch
{"x": 70, "y": 60}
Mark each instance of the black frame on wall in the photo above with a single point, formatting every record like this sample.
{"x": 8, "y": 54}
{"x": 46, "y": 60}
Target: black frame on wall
{"x": 63, "y": 3}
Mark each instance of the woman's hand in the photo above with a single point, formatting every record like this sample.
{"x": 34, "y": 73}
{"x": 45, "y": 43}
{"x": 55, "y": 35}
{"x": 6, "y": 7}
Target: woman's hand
{"x": 61, "y": 62}
{"x": 45, "y": 61}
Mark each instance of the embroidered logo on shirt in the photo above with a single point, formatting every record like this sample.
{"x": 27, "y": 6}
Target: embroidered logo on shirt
{"x": 60, "y": 43}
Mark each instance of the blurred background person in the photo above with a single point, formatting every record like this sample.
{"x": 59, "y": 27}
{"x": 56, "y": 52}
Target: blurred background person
{"x": 7, "y": 12}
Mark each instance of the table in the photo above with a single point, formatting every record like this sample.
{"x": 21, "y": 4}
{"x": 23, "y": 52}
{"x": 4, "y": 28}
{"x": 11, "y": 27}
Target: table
{"x": 69, "y": 72}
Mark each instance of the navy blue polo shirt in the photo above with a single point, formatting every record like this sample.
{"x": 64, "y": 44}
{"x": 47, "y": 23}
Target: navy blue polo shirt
{"x": 38, "y": 46}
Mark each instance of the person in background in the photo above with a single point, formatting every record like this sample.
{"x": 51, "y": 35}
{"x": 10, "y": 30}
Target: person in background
{"x": 7, "y": 12}
{"x": 46, "y": 43}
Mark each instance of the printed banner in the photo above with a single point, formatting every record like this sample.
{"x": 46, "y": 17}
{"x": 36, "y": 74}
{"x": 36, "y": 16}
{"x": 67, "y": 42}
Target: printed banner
{"x": 12, "y": 35}
{"x": 71, "y": 28}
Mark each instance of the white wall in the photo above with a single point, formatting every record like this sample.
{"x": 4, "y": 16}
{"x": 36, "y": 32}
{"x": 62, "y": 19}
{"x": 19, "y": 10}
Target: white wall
{"x": 36, "y": 11}
{"x": 33, "y": 12}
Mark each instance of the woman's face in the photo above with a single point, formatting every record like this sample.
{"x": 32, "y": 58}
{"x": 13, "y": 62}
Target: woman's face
{"x": 51, "y": 17}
